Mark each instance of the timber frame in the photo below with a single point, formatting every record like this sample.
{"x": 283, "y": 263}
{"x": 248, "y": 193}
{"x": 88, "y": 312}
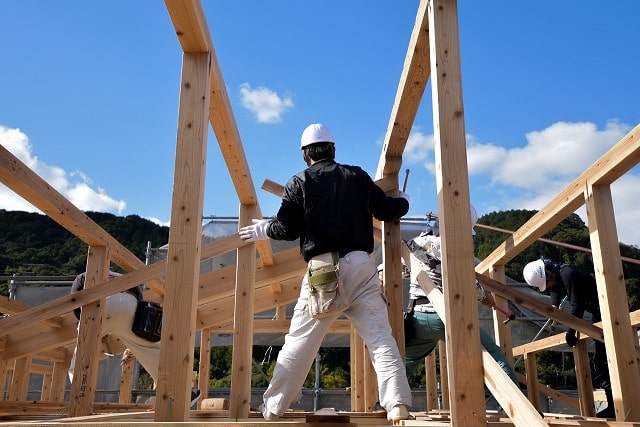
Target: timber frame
{"x": 226, "y": 300}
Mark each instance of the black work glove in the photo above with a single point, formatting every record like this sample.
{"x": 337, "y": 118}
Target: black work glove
{"x": 571, "y": 338}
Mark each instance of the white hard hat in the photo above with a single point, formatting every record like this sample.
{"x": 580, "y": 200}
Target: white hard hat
{"x": 380, "y": 267}
{"x": 474, "y": 219}
{"x": 535, "y": 275}
{"x": 315, "y": 133}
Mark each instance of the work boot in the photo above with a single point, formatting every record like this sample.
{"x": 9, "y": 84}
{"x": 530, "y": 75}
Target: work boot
{"x": 397, "y": 413}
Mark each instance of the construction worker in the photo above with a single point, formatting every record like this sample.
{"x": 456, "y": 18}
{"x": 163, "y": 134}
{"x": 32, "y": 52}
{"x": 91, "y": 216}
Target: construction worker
{"x": 328, "y": 206}
{"x": 425, "y": 328}
{"x": 119, "y": 312}
{"x": 582, "y": 292}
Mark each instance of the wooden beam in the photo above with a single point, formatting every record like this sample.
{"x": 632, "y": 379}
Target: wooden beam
{"x": 413, "y": 82}
{"x": 27, "y": 184}
{"x": 190, "y": 24}
{"x": 242, "y": 356}
{"x": 185, "y": 240}
{"x": 541, "y": 308}
{"x": 452, "y": 180}
{"x": 85, "y": 369}
{"x": 11, "y": 307}
{"x": 501, "y": 386}
{"x": 611, "y": 166}
{"x": 620, "y": 338}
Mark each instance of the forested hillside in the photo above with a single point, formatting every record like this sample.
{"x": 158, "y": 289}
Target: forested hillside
{"x": 32, "y": 243}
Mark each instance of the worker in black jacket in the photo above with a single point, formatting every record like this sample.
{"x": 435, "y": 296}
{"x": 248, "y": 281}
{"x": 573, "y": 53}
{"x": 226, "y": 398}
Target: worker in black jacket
{"x": 582, "y": 293}
{"x": 329, "y": 207}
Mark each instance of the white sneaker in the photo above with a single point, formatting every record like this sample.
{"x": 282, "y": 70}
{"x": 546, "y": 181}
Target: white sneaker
{"x": 268, "y": 416}
{"x": 397, "y": 413}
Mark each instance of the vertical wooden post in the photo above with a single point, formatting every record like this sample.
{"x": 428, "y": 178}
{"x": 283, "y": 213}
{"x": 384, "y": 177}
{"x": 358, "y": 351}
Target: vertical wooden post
{"x": 126, "y": 382}
{"x": 431, "y": 381}
{"x": 20, "y": 379}
{"x": 357, "y": 372}
{"x": 393, "y": 279}
{"x": 583, "y": 379}
{"x": 241, "y": 359}
{"x": 463, "y": 337}
{"x": 185, "y": 241}
{"x": 444, "y": 375}
{"x": 530, "y": 363}
{"x": 502, "y": 332}
{"x": 370, "y": 381}
{"x": 619, "y": 338}
{"x": 205, "y": 362}
{"x": 45, "y": 392}
{"x": 85, "y": 371}
{"x": 59, "y": 379}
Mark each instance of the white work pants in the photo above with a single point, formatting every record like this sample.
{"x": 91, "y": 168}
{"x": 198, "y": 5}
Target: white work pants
{"x": 368, "y": 314}
{"x": 119, "y": 311}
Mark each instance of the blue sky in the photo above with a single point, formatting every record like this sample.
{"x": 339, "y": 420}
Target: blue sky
{"x": 89, "y": 96}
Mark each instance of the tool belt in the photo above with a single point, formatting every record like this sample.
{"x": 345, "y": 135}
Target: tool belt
{"x": 147, "y": 322}
{"x": 325, "y": 297}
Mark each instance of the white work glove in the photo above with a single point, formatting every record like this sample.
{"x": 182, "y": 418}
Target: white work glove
{"x": 257, "y": 231}
{"x": 404, "y": 196}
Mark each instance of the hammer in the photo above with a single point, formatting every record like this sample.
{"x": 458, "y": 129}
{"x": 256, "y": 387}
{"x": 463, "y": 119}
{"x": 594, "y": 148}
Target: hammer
{"x": 406, "y": 178}
{"x": 510, "y": 316}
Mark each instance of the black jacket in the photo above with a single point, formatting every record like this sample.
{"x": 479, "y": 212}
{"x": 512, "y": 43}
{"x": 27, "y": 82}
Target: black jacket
{"x": 581, "y": 289}
{"x": 329, "y": 206}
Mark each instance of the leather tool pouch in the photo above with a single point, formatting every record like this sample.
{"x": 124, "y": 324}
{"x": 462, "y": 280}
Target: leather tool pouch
{"x": 323, "y": 279}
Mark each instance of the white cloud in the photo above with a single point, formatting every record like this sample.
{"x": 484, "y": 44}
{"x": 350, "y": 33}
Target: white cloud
{"x": 266, "y": 104}
{"x": 557, "y": 154}
{"x": 75, "y": 187}
{"x": 529, "y": 177}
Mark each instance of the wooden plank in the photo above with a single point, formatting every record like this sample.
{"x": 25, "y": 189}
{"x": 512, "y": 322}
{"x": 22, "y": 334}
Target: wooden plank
{"x": 413, "y": 82}
{"x": 221, "y": 282}
{"x": 502, "y": 331}
{"x": 190, "y": 24}
{"x": 27, "y": 184}
{"x": 221, "y": 311}
{"x": 370, "y": 381}
{"x": 26, "y": 319}
{"x": 85, "y": 370}
{"x": 431, "y": 381}
{"x": 444, "y": 375}
{"x": 620, "y": 338}
{"x": 530, "y": 363}
{"x": 185, "y": 241}
{"x": 612, "y": 165}
{"x": 19, "y": 379}
{"x": 268, "y": 326}
{"x": 583, "y": 379}
{"x": 10, "y": 306}
{"x": 358, "y": 373}
{"x": 59, "y": 378}
{"x": 504, "y": 390}
{"x": 393, "y": 287}
{"x": 501, "y": 386}
{"x": 452, "y": 180}
{"x": 126, "y": 382}
{"x": 241, "y": 359}
{"x": 204, "y": 367}
{"x": 541, "y": 308}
